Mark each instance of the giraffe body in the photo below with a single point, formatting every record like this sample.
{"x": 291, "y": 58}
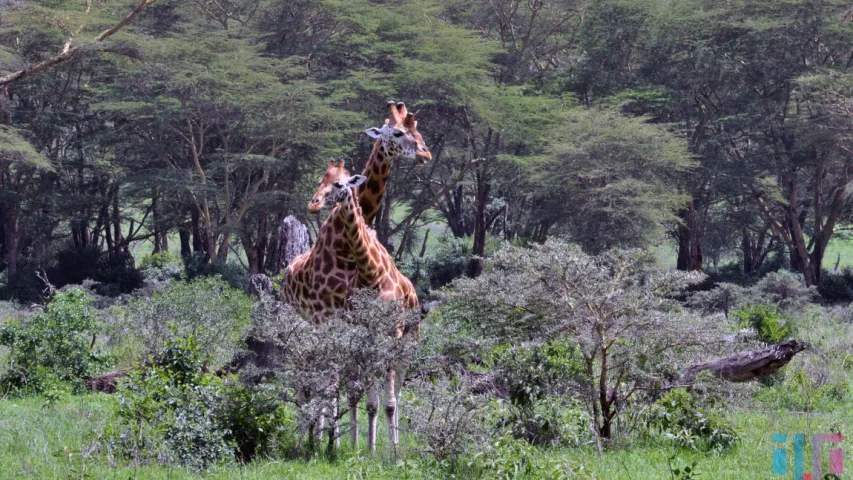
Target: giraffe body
{"x": 347, "y": 254}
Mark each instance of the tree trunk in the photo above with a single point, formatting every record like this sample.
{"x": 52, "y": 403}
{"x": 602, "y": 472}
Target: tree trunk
{"x": 475, "y": 264}
{"x": 292, "y": 239}
{"x": 745, "y": 366}
{"x": 186, "y": 248}
{"x": 10, "y": 238}
{"x": 689, "y": 239}
{"x": 198, "y": 243}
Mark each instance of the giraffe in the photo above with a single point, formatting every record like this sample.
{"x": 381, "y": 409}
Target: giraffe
{"x": 318, "y": 282}
{"x": 362, "y": 261}
{"x": 398, "y": 137}
{"x": 376, "y": 270}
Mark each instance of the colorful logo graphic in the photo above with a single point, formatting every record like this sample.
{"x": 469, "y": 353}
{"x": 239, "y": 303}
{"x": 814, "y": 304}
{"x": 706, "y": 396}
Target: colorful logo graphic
{"x": 836, "y": 456}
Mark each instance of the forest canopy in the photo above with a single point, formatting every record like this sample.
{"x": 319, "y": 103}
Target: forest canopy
{"x": 720, "y": 131}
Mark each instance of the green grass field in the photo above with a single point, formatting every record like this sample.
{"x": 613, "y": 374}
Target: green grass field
{"x": 64, "y": 441}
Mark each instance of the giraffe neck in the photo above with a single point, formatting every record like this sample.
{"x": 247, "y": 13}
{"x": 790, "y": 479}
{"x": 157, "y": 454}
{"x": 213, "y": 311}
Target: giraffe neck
{"x": 370, "y": 193}
{"x": 366, "y": 251}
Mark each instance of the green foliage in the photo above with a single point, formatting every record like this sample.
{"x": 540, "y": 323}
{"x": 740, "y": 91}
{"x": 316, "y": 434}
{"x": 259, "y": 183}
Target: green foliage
{"x": 679, "y": 417}
{"x": 161, "y": 266}
{"x": 207, "y": 308}
{"x": 769, "y": 325}
{"x": 53, "y": 350}
{"x": 509, "y": 458}
{"x": 799, "y": 391}
{"x": 14, "y": 148}
{"x": 687, "y": 472}
{"x": 115, "y": 274}
{"x": 536, "y": 379}
{"x": 167, "y": 411}
{"x": 610, "y": 181}
{"x": 197, "y": 266}
{"x": 837, "y": 286}
{"x": 447, "y": 261}
{"x": 256, "y": 420}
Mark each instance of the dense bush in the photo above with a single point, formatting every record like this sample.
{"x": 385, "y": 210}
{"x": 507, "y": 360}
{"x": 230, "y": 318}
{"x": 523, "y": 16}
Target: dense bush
{"x": 786, "y": 289}
{"x": 769, "y": 325}
{"x": 214, "y": 313}
{"x": 115, "y": 274}
{"x": 509, "y": 458}
{"x": 348, "y": 354}
{"x": 536, "y": 380}
{"x": 837, "y": 286}
{"x": 680, "y": 417}
{"x": 256, "y": 420}
{"x": 802, "y": 392}
{"x": 161, "y": 266}
{"x": 447, "y": 417}
{"x": 167, "y": 411}
{"x": 447, "y": 262}
{"x": 197, "y": 265}
{"x": 173, "y": 412}
{"x": 52, "y": 349}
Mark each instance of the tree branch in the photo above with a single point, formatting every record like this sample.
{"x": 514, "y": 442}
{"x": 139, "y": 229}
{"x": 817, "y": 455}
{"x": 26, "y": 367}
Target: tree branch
{"x": 69, "y": 52}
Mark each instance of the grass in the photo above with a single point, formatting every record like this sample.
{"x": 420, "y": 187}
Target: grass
{"x": 63, "y": 441}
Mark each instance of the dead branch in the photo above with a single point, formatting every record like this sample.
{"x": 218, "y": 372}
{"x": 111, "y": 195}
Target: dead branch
{"x": 69, "y": 52}
{"x": 745, "y": 366}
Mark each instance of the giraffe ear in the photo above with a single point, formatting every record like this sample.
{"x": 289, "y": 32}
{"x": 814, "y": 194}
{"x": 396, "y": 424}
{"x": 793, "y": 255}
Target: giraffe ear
{"x": 356, "y": 180}
{"x": 373, "y": 132}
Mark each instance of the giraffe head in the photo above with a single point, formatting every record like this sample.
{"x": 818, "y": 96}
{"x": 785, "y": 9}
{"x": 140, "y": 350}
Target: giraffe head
{"x": 331, "y": 186}
{"x": 400, "y": 134}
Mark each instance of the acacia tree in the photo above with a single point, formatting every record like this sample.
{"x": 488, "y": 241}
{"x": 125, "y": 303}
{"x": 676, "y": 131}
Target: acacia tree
{"x": 607, "y": 181}
{"x": 614, "y": 306}
{"x": 226, "y": 120}
{"x": 807, "y": 194}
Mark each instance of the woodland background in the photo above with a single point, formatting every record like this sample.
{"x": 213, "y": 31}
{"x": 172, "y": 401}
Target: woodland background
{"x": 682, "y": 168}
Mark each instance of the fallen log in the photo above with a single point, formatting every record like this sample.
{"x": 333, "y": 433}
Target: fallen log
{"x": 105, "y": 383}
{"x": 745, "y": 366}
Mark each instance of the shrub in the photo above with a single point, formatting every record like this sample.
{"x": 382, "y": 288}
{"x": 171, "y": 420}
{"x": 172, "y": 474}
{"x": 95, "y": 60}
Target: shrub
{"x": 447, "y": 262}
{"x": 769, "y": 325}
{"x": 837, "y": 287}
{"x": 801, "y": 392}
{"x": 446, "y": 415}
{"x": 115, "y": 273}
{"x": 161, "y": 266}
{"x": 255, "y": 419}
{"x": 168, "y": 411}
{"x": 210, "y": 310}
{"x": 614, "y": 306}
{"x": 349, "y": 353}
{"x": 679, "y": 417}
{"x": 53, "y": 347}
{"x": 786, "y": 289}
{"x": 535, "y": 379}
{"x": 197, "y": 266}
{"x": 509, "y": 458}
{"x": 723, "y": 298}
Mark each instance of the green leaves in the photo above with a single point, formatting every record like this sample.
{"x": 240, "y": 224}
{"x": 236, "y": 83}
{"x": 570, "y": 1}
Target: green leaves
{"x": 15, "y": 149}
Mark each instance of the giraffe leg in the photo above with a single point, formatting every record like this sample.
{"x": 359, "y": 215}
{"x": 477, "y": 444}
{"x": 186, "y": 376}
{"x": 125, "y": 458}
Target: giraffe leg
{"x": 372, "y": 411}
{"x": 352, "y": 397}
{"x": 304, "y": 427}
{"x": 391, "y": 409}
{"x": 401, "y": 369}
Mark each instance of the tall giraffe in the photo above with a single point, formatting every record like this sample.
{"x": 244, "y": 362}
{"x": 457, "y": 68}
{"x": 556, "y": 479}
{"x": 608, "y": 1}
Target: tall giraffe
{"x": 376, "y": 270}
{"x": 318, "y": 282}
{"x": 315, "y": 285}
{"x": 397, "y": 138}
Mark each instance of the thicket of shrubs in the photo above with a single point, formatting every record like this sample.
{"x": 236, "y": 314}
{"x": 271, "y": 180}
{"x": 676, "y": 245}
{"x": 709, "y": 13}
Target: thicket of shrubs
{"x": 510, "y": 363}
